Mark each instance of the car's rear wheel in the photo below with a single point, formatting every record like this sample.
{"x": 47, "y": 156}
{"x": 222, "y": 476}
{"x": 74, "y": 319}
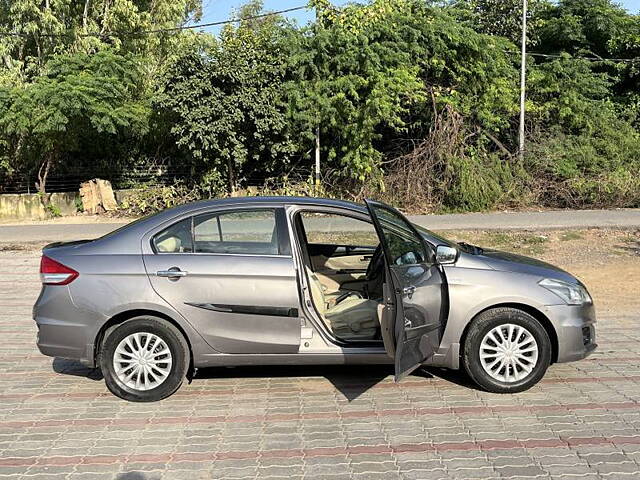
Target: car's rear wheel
{"x": 506, "y": 350}
{"x": 144, "y": 359}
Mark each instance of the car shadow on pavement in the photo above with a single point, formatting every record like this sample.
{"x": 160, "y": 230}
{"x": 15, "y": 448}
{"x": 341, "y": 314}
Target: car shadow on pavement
{"x": 75, "y": 368}
{"x": 350, "y": 380}
{"x": 137, "y": 476}
{"x": 458, "y": 377}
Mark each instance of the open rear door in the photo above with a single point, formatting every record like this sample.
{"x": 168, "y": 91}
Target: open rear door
{"x": 417, "y": 291}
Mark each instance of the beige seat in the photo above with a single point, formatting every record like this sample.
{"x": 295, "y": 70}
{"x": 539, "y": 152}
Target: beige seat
{"x": 352, "y": 318}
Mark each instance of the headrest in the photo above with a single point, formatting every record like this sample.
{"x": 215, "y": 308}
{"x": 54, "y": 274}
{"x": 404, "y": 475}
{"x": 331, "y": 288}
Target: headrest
{"x": 169, "y": 245}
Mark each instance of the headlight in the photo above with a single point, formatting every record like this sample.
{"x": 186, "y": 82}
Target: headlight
{"x": 572, "y": 293}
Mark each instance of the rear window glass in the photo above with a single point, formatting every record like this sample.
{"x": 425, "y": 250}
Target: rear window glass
{"x": 245, "y": 232}
{"x": 175, "y": 239}
{"x": 239, "y": 232}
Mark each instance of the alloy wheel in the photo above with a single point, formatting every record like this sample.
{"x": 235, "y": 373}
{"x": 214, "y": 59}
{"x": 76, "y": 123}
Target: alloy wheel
{"x": 142, "y": 361}
{"x": 508, "y": 353}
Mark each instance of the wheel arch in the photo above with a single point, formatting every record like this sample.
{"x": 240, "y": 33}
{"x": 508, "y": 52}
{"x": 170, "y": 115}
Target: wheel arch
{"x": 122, "y": 317}
{"x": 534, "y": 312}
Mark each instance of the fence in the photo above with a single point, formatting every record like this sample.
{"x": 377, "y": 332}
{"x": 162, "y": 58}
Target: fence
{"x": 69, "y": 181}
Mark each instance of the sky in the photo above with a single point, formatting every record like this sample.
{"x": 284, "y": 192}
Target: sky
{"x": 216, "y": 10}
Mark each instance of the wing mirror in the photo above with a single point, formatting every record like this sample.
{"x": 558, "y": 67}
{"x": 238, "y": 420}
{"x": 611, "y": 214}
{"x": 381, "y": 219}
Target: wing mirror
{"x": 446, "y": 255}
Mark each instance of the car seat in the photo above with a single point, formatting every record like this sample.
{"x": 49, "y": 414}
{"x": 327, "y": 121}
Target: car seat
{"x": 347, "y": 315}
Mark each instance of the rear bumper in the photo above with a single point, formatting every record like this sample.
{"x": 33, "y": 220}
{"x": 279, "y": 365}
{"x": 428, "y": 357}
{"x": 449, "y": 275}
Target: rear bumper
{"x": 60, "y": 340}
{"x": 57, "y": 336}
{"x": 575, "y": 326}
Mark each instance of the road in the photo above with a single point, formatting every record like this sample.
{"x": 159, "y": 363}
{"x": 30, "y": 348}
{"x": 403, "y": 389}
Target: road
{"x": 59, "y": 422}
{"x": 547, "y": 220}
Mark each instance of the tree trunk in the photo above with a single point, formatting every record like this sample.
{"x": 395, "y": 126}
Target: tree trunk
{"x": 232, "y": 177}
{"x": 105, "y": 12}
{"x": 85, "y": 15}
{"x": 43, "y": 173}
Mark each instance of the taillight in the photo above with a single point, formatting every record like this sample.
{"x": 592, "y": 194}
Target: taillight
{"x": 55, "y": 273}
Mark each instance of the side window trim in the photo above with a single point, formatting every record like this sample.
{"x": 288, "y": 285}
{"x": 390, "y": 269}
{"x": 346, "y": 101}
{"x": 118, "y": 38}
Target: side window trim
{"x": 219, "y": 230}
{"x": 282, "y": 229}
{"x": 193, "y": 237}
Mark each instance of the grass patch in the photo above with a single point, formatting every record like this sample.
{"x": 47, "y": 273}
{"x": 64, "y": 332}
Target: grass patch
{"x": 517, "y": 242}
{"x": 497, "y": 239}
{"x": 571, "y": 235}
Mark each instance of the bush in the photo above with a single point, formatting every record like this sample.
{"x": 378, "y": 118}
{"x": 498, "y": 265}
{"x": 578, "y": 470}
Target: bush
{"x": 620, "y": 188}
{"x": 597, "y": 168}
{"x": 147, "y": 199}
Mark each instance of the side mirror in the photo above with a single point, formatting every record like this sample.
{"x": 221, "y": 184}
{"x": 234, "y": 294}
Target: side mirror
{"x": 446, "y": 255}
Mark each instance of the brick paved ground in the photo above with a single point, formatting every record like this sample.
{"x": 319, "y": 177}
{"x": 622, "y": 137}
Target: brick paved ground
{"x": 57, "y": 420}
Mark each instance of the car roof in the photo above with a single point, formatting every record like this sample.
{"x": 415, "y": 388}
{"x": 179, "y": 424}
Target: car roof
{"x": 282, "y": 200}
{"x": 126, "y": 236}
{"x": 258, "y": 201}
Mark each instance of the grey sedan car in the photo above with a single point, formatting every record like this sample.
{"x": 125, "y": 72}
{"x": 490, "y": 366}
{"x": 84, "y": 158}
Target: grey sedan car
{"x": 282, "y": 280}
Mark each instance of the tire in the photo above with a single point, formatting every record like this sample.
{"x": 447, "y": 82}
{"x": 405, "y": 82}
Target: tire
{"x": 160, "y": 366}
{"x": 528, "y": 338}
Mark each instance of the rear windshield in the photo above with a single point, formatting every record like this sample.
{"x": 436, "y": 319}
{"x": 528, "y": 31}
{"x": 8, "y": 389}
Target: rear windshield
{"x": 130, "y": 224}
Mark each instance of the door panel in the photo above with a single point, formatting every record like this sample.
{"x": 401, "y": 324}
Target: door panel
{"x": 340, "y": 257}
{"x": 340, "y": 267}
{"x": 353, "y": 263}
{"x": 420, "y": 322}
{"x": 418, "y": 291}
{"x": 239, "y": 304}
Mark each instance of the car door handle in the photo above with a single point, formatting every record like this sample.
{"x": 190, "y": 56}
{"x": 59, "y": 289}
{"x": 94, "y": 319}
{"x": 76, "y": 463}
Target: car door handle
{"x": 173, "y": 272}
{"x": 408, "y": 290}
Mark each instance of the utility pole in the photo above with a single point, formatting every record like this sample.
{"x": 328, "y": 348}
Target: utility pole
{"x": 316, "y": 183}
{"x": 317, "y": 173}
{"x": 523, "y": 68}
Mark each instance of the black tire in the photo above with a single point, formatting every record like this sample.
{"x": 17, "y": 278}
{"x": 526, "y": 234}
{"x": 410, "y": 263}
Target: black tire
{"x": 483, "y": 324}
{"x": 174, "y": 340}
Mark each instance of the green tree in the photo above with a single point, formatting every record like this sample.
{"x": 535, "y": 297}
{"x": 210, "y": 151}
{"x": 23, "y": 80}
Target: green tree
{"x": 227, "y": 102}
{"x": 372, "y": 75}
{"x": 76, "y": 95}
{"x": 47, "y": 30}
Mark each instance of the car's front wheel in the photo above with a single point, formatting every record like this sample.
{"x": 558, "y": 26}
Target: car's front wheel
{"x": 506, "y": 350}
{"x": 144, "y": 359}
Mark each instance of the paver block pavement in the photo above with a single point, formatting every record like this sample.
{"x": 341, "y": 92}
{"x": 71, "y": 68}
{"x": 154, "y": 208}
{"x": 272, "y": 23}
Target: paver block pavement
{"x": 58, "y": 421}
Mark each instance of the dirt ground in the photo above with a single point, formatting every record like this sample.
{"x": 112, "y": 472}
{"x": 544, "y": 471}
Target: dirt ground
{"x": 607, "y": 261}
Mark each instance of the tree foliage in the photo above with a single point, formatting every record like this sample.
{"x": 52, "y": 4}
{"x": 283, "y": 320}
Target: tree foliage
{"x": 72, "y": 80}
{"x": 415, "y": 101}
{"x": 75, "y": 93}
{"x": 226, "y": 99}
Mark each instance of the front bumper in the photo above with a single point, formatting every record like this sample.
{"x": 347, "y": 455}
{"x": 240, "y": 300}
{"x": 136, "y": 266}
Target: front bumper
{"x": 575, "y": 326}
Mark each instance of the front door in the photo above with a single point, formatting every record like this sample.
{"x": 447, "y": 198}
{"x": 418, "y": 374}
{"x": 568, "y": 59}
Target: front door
{"x": 231, "y": 275}
{"x": 417, "y": 293}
